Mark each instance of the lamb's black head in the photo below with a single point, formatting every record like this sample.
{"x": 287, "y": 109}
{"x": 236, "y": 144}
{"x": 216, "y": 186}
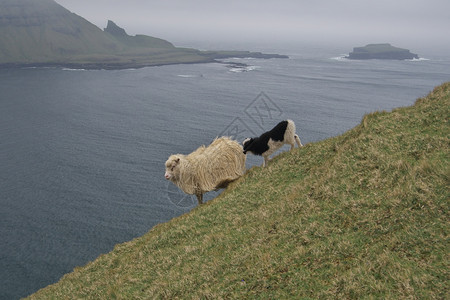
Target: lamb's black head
{"x": 246, "y": 143}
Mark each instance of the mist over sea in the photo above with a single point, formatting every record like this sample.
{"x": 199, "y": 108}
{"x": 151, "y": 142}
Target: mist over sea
{"x": 82, "y": 152}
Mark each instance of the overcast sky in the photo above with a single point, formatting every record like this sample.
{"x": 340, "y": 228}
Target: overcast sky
{"x": 404, "y": 23}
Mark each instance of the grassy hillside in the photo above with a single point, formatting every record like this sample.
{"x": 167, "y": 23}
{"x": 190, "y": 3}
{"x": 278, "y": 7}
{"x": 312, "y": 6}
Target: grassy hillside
{"x": 34, "y": 33}
{"x": 362, "y": 215}
{"x": 41, "y": 31}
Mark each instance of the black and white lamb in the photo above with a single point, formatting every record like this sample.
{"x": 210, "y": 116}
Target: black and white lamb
{"x": 270, "y": 141}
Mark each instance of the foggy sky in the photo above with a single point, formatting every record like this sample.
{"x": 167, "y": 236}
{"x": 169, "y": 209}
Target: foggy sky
{"x": 404, "y": 23}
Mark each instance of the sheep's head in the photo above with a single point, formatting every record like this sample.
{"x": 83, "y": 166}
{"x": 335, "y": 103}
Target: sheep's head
{"x": 172, "y": 167}
{"x": 246, "y": 143}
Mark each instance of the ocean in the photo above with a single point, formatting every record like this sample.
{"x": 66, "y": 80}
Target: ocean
{"x": 82, "y": 152}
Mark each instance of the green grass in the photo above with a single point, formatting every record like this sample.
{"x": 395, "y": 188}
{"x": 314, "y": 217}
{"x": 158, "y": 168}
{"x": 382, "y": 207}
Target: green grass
{"x": 364, "y": 215}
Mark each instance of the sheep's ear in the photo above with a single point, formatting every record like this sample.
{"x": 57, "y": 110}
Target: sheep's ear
{"x": 177, "y": 160}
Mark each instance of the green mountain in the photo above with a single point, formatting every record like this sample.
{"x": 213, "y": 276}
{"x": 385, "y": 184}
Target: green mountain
{"x": 364, "y": 215}
{"x": 43, "y": 33}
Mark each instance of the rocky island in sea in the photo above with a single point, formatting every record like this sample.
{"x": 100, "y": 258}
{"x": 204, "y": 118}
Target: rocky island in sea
{"x": 43, "y": 33}
{"x": 381, "y": 51}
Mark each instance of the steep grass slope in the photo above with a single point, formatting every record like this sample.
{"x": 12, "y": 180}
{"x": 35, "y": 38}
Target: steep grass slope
{"x": 362, "y": 215}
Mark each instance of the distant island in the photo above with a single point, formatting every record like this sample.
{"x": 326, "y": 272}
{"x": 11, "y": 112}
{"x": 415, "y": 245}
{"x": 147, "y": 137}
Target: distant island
{"x": 43, "y": 33}
{"x": 381, "y": 51}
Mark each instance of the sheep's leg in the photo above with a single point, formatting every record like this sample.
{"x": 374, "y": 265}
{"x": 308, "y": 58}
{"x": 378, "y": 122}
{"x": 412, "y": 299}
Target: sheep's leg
{"x": 199, "y": 198}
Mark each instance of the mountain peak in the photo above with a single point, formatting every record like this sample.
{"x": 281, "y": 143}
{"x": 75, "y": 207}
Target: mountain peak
{"x": 115, "y": 30}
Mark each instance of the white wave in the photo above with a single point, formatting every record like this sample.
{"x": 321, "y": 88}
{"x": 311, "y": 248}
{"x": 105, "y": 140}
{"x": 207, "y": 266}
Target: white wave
{"x": 29, "y": 68}
{"x": 69, "y": 69}
{"x": 243, "y": 69}
{"x": 189, "y": 76}
{"x": 239, "y": 58}
{"x": 343, "y": 57}
{"x": 418, "y": 59}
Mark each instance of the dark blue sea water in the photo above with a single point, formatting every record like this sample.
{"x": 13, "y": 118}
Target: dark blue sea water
{"x": 82, "y": 152}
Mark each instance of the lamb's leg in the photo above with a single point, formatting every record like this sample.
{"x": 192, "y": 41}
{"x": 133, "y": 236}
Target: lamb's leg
{"x": 297, "y": 140}
{"x": 266, "y": 161}
{"x": 292, "y": 146}
{"x": 199, "y": 198}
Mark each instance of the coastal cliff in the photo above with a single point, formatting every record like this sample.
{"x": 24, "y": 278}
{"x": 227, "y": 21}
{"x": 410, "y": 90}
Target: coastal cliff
{"x": 43, "y": 33}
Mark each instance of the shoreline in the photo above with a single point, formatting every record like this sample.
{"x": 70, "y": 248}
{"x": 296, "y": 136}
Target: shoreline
{"x": 214, "y": 57}
{"x": 93, "y": 66}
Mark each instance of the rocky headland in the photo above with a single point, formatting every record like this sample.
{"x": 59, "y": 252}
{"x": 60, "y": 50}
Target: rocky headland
{"x": 381, "y": 51}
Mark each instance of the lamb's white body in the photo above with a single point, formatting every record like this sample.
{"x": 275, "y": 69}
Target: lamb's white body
{"x": 290, "y": 138}
{"x": 207, "y": 168}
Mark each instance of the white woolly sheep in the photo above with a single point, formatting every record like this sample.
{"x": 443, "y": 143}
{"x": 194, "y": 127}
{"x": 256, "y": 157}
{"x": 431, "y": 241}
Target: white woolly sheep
{"x": 207, "y": 168}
